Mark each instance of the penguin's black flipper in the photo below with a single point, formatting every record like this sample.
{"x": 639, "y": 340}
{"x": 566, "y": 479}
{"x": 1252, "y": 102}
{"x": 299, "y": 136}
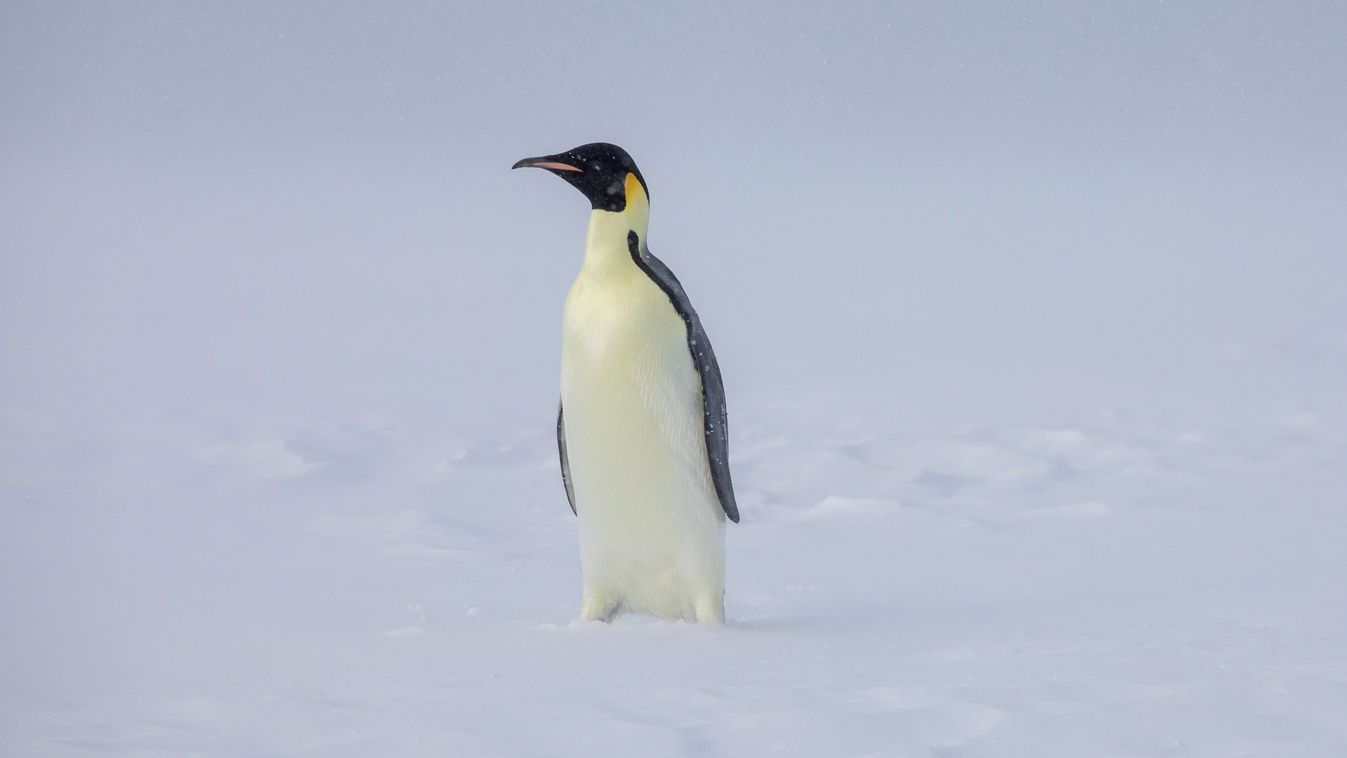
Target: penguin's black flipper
{"x": 715, "y": 416}
{"x": 565, "y": 463}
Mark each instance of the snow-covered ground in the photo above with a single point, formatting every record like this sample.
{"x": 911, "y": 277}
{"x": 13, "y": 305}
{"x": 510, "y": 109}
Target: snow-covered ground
{"x": 1040, "y": 438}
{"x": 1126, "y": 584}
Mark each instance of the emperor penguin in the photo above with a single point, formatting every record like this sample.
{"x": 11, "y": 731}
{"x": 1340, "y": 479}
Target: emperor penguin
{"x": 642, "y": 426}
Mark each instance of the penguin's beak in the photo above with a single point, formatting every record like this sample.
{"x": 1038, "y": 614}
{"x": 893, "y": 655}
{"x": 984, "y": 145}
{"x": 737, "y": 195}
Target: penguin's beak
{"x": 553, "y": 163}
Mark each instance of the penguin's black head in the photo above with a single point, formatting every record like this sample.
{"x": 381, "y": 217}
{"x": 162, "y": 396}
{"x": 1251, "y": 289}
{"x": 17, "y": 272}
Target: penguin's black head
{"x": 599, "y": 170}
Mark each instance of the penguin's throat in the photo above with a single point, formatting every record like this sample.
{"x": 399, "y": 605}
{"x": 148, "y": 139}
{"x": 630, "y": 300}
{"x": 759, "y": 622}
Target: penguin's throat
{"x": 607, "y": 250}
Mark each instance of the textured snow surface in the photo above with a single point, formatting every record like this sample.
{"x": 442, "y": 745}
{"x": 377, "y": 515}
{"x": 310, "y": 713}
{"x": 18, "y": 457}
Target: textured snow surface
{"x": 1121, "y": 586}
{"x": 1033, "y": 331}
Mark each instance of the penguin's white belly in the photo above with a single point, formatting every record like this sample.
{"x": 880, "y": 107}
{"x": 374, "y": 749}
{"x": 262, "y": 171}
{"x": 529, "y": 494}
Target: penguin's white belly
{"x": 651, "y": 526}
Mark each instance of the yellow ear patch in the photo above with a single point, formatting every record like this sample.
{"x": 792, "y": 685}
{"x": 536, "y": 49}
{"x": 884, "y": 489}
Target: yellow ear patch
{"x": 634, "y": 188}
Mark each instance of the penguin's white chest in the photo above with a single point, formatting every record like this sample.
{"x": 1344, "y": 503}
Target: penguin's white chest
{"x": 651, "y": 527}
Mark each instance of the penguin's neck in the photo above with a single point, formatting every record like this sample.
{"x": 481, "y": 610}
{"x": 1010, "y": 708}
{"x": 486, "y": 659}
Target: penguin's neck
{"x": 607, "y": 249}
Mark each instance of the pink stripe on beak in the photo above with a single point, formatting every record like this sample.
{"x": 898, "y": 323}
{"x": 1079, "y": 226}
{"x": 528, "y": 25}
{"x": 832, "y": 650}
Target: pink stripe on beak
{"x": 555, "y": 166}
